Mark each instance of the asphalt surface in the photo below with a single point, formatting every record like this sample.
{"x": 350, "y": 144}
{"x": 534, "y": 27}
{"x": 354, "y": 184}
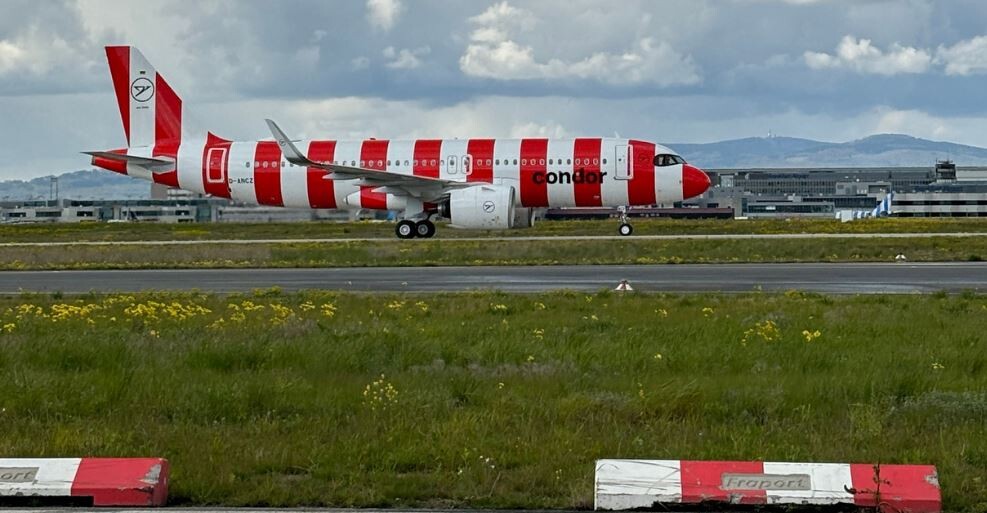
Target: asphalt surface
{"x": 720, "y": 236}
{"x": 840, "y": 278}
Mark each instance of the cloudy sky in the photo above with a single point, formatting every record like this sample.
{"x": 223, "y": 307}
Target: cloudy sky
{"x": 671, "y": 71}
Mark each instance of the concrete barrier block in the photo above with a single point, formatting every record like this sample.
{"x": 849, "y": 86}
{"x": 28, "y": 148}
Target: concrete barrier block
{"x": 130, "y": 482}
{"x": 634, "y": 484}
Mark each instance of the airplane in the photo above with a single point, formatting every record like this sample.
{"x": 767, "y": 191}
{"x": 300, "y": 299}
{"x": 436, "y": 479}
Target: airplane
{"x": 475, "y": 183}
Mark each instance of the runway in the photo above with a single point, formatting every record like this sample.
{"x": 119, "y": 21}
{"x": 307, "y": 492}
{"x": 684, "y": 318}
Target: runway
{"x": 719, "y": 236}
{"x": 841, "y": 278}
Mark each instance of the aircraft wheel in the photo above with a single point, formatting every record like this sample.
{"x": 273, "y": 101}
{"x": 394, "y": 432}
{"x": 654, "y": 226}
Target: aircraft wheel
{"x": 425, "y": 229}
{"x": 625, "y": 229}
{"x": 405, "y": 229}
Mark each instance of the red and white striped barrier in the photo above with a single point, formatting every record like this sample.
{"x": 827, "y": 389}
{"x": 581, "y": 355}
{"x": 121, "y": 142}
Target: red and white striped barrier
{"x": 128, "y": 482}
{"x": 631, "y": 484}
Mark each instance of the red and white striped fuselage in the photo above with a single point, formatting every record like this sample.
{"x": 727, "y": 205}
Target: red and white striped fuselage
{"x": 581, "y": 172}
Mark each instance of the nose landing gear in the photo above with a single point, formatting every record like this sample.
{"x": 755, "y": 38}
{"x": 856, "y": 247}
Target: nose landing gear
{"x": 625, "y": 228}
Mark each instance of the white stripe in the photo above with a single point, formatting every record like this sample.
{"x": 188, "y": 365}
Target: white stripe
{"x": 629, "y": 484}
{"x": 240, "y": 176}
{"x": 827, "y": 482}
{"x": 294, "y": 184}
{"x": 399, "y": 152}
{"x": 347, "y": 153}
{"x": 559, "y": 152}
{"x": 53, "y": 479}
{"x": 190, "y": 166}
{"x": 668, "y": 182}
{"x": 508, "y": 152}
{"x": 141, "y": 113}
{"x": 614, "y": 191}
{"x": 452, "y": 148}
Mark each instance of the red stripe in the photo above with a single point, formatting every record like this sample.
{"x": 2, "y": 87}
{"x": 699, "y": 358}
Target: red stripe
{"x": 117, "y": 166}
{"x": 641, "y": 188}
{"x": 586, "y": 152}
{"x": 220, "y": 189}
{"x": 373, "y": 155}
{"x": 902, "y": 487}
{"x": 168, "y": 149}
{"x": 131, "y": 482}
{"x": 533, "y": 155}
{"x": 481, "y": 151}
{"x": 267, "y": 180}
{"x": 701, "y": 481}
{"x": 119, "y": 60}
{"x": 321, "y": 193}
{"x": 167, "y": 113}
{"x": 426, "y": 159}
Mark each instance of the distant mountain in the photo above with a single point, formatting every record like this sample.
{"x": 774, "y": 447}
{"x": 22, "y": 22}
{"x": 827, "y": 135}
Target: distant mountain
{"x": 884, "y": 150}
{"x": 80, "y": 185}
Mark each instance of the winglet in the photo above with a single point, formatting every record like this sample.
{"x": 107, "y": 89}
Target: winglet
{"x": 288, "y": 148}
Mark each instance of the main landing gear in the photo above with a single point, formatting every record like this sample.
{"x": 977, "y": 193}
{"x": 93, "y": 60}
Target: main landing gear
{"x": 625, "y": 228}
{"x": 409, "y": 229}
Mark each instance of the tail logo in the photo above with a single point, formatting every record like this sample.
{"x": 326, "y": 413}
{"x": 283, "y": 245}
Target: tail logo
{"x": 142, "y": 90}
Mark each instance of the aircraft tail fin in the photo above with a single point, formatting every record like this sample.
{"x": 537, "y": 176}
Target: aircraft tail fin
{"x": 150, "y": 109}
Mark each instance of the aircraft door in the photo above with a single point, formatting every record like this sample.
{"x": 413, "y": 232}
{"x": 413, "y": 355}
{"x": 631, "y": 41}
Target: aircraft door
{"x": 621, "y": 162}
{"x": 467, "y": 161}
{"x": 216, "y": 166}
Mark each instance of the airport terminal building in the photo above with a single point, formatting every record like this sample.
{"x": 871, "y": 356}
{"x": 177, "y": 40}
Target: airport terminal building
{"x": 943, "y": 190}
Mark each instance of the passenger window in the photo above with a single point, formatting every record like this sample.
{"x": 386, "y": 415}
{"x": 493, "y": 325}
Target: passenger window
{"x": 433, "y": 162}
{"x": 541, "y": 162}
{"x": 406, "y": 163}
{"x": 604, "y": 161}
{"x": 515, "y": 162}
{"x": 488, "y": 162}
{"x": 524, "y": 162}
{"x": 248, "y": 164}
{"x": 363, "y": 163}
{"x": 550, "y": 162}
{"x": 568, "y": 161}
{"x": 264, "y": 164}
{"x": 497, "y": 162}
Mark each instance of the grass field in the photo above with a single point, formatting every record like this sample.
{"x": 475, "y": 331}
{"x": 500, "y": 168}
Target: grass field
{"x": 489, "y": 400}
{"x": 61, "y": 232}
{"x": 491, "y": 252}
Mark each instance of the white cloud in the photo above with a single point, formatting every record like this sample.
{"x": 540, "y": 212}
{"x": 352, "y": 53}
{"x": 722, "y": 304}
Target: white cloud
{"x": 862, "y": 56}
{"x": 11, "y": 56}
{"x": 383, "y": 14}
{"x": 912, "y": 122}
{"x": 493, "y": 53}
{"x": 405, "y": 58}
{"x": 964, "y": 58}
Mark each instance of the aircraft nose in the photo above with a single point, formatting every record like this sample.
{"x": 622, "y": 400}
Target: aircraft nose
{"x": 694, "y": 181}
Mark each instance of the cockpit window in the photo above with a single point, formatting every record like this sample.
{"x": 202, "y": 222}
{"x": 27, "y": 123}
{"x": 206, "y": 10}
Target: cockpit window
{"x": 667, "y": 159}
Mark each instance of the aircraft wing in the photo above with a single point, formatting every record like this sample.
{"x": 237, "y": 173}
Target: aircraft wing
{"x": 400, "y": 184}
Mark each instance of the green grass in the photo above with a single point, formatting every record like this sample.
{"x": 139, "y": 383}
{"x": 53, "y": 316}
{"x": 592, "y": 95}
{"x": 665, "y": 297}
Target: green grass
{"x": 489, "y": 400}
{"x": 491, "y": 252}
{"x": 61, "y": 232}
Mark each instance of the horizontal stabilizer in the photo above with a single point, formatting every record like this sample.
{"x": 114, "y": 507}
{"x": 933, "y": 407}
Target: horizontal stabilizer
{"x": 153, "y": 165}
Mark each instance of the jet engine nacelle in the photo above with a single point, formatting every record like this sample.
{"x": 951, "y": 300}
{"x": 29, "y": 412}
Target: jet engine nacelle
{"x": 488, "y": 207}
